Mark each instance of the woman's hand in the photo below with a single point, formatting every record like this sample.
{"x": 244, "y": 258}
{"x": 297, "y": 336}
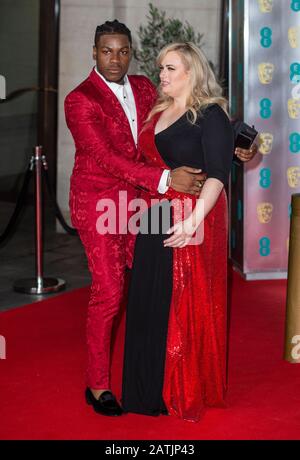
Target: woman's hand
{"x": 246, "y": 155}
{"x": 183, "y": 232}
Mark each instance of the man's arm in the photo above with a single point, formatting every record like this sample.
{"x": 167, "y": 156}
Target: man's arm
{"x": 90, "y": 137}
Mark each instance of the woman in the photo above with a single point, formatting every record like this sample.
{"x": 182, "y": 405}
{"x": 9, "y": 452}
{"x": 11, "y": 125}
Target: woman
{"x": 175, "y": 349}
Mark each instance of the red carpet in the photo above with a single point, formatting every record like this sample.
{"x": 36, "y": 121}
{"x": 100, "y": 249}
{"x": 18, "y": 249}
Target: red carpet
{"x": 42, "y": 379}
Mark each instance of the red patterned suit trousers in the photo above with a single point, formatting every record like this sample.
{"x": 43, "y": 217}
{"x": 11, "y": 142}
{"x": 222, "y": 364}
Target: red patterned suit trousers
{"x": 107, "y": 255}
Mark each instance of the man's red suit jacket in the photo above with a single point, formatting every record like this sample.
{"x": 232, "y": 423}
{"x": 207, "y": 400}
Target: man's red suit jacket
{"x": 106, "y": 158}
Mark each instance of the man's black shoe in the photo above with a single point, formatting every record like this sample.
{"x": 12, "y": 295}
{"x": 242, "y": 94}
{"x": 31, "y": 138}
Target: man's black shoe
{"x": 105, "y": 405}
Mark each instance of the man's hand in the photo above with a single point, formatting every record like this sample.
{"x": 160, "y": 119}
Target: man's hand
{"x": 187, "y": 180}
{"x": 246, "y": 155}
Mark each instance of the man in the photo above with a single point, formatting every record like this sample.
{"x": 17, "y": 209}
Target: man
{"x": 105, "y": 113}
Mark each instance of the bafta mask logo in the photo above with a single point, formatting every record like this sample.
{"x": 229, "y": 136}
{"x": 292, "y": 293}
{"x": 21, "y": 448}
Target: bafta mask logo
{"x": 265, "y": 72}
{"x": 265, "y": 6}
{"x": 264, "y": 212}
{"x": 294, "y": 36}
{"x": 265, "y": 142}
{"x": 293, "y": 176}
{"x": 294, "y": 108}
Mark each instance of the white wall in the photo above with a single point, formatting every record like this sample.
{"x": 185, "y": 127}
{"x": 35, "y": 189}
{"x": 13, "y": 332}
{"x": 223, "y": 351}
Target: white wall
{"x": 78, "y": 22}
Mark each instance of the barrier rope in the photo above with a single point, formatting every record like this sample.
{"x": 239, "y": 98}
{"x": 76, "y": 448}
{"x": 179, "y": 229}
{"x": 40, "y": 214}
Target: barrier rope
{"x": 57, "y": 211}
{"x": 11, "y": 226}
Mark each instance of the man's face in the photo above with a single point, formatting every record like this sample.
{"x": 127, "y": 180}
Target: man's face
{"x": 112, "y": 55}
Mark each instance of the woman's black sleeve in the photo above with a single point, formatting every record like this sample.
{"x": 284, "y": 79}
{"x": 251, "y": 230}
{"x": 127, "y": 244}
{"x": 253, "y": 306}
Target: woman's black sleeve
{"x": 217, "y": 144}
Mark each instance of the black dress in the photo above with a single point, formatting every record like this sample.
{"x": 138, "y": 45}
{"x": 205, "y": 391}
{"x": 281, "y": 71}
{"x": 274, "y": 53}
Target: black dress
{"x": 150, "y": 290}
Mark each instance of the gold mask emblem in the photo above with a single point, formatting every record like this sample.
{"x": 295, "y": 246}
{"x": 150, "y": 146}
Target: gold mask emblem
{"x": 264, "y": 212}
{"x": 294, "y": 36}
{"x": 265, "y": 142}
{"x": 265, "y": 6}
{"x": 293, "y": 176}
{"x": 294, "y": 108}
{"x": 265, "y": 72}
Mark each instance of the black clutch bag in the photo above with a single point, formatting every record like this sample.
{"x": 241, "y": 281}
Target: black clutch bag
{"x": 244, "y": 134}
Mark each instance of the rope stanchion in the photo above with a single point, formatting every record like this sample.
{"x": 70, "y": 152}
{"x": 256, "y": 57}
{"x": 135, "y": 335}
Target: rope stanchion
{"x": 57, "y": 211}
{"x": 39, "y": 284}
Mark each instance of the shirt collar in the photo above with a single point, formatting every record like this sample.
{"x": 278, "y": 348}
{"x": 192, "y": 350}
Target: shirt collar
{"x": 115, "y": 87}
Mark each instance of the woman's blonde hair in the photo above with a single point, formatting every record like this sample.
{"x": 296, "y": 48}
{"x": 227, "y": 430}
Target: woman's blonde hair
{"x": 205, "y": 89}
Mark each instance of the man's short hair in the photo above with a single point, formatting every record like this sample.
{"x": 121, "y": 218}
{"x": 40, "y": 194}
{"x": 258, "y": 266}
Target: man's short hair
{"x": 112, "y": 27}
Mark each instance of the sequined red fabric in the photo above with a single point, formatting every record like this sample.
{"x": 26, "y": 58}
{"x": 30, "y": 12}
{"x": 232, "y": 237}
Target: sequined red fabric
{"x": 195, "y": 366}
{"x": 105, "y": 164}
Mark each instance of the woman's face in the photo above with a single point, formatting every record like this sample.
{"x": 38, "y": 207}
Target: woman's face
{"x": 174, "y": 78}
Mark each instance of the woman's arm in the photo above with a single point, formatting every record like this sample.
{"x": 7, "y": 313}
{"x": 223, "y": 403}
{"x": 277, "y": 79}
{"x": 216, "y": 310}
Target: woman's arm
{"x": 184, "y": 230}
{"x": 218, "y": 146}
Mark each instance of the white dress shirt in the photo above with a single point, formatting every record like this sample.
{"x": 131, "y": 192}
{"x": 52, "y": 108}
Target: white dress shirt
{"x": 125, "y": 96}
